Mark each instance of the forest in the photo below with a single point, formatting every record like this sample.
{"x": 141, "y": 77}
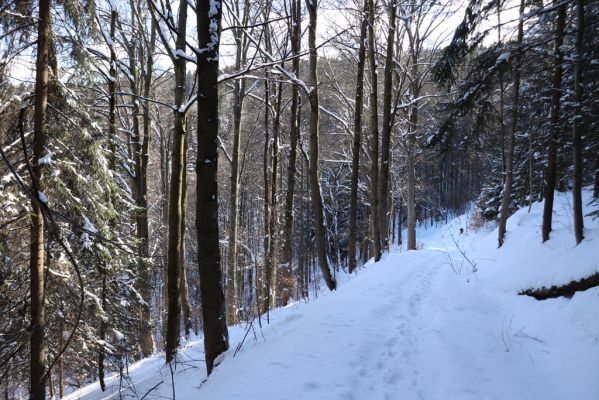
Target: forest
{"x": 172, "y": 170}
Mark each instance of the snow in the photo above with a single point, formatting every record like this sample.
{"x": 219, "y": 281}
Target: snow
{"x": 181, "y": 53}
{"x": 188, "y": 104}
{"x": 118, "y": 335}
{"x": 441, "y": 322}
{"x": 47, "y": 159}
{"x": 42, "y": 197}
{"x": 503, "y": 57}
{"x": 5, "y": 180}
{"x": 213, "y": 30}
{"x": 88, "y": 228}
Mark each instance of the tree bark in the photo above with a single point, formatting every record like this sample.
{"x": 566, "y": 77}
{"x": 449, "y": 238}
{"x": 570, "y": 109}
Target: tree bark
{"x": 112, "y": 166}
{"x": 357, "y": 141}
{"x": 411, "y": 148}
{"x": 374, "y": 134}
{"x": 596, "y": 185}
{"x": 294, "y": 131}
{"x": 386, "y": 131}
{"x": 264, "y": 277}
{"x": 238, "y": 97}
{"x": 507, "y": 185}
{"x": 316, "y": 196}
{"x": 577, "y": 128}
{"x": 176, "y": 201}
{"x": 551, "y": 171}
{"x": 36, "y": 265}
{"x": 146, "y": 342}
{"x": 184, "y": 288}
{"x": 501, "y": 100}
{"x": 274, "y": 223}
{"x": 216, "y": 335}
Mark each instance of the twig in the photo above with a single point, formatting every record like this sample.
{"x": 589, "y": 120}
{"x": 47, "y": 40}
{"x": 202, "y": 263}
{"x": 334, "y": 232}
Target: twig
{"x": 244, "y": 336}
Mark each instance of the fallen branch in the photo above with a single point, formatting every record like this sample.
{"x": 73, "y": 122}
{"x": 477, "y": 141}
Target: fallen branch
{"x": 566, "y": 290}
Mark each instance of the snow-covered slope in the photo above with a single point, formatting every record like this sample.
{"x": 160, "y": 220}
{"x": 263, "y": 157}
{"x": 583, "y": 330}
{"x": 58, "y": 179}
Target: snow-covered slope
{"x": 443, "y": 322}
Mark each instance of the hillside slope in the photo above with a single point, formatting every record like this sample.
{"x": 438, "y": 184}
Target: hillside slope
{"x": 443, "y": 322}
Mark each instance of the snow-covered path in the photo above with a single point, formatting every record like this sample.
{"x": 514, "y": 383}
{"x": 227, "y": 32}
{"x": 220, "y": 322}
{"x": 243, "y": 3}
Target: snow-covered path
{"x": 443, "y": 322}
{"x": 358, "y": 343}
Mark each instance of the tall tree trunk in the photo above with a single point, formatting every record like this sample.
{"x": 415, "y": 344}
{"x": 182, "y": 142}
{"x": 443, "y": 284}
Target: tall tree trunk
{"x": 176, "y": 201}
{"x": 315, "y": 191}
{"x": 271, "y": 89}
{"x": 399, "y": 223}
{"x": 411, "y": 149}
{"x": 357, "y": 142}
{"x": 232, "y": 300}
{"x": 304, "y": 267}
{"x": 216, "y": 335}
{"x": 102, "y": 331}
{"x": 165, "y": 151}
{"x": 294, "y": 131}
{"x": 274, "y": 223}
{"x": 267, "y": 269}
{"x": 374, "y": 134}
{"x": 509, "y": 164}
{"x": 112, "y": 166}
{"x": 596, "y": 185}
{"x": 577, "y": 128}
{"x": 501, "y": 99}
{"x": 61, "y": 362}
{"x": 411, "y": 193}
{"x": 36, "y": 265}
{"x": 551, "y": 171}
{"x": 145, "y": 274}
{"x": 386, "y": 131}
{"x": 184, "y": 288}
{"x": 238, "y": 97}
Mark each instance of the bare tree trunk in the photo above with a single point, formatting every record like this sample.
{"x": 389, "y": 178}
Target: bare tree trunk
{"x": 364, "y": 245}
{"x": 184, "y": 288}
{"x": 577, "y": 128}
{"x": 176, "y": 200}
{"x": 316, "y": 195}
{"x": 294, "y": 131}
{"x": 501, "y": 100}
{"x": 411, "y": 195}
{"x": 411, "y": 149}
{"x": 60, "y": 362}
{"x": 232, "y": 300}
{"x": 112, "y": 161}
{"x": 399, "y": 223}
{"x": 216, "y": 335}
{"x": 374, "y": 134}
{"x": 264, "y": 299}
{"x": 165, "y": 151}
{"x": 145, "y": 275}
{"x": 357, "y": 142}
{"x": 507, "y": 186}
{"x": 276, "y": 127}
{"x": 238, "y": 97}
{"x": 139, "y": 178}
{"x": 551, "y": 171}
{"x": 36, "y": 265}
{"x": 386, "y": 131}
{"x": 102, "y": 332}
{"x": 596, "y": 185}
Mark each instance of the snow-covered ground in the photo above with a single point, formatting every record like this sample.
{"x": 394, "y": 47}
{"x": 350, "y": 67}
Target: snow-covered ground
{"x": 443, "y": 322}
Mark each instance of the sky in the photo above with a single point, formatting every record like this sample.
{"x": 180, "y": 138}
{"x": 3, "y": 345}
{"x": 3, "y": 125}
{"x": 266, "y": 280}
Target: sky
{"x": 332, "y": 20}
